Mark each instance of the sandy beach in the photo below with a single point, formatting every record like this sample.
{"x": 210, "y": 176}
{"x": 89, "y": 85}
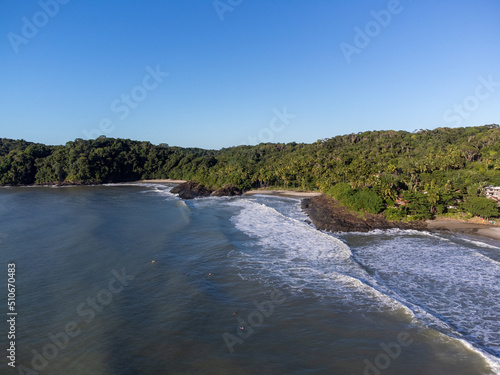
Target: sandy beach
{"x": 487, "y": 230}
{"x": 168, "y": 180}
{"x": 285, "y": 193}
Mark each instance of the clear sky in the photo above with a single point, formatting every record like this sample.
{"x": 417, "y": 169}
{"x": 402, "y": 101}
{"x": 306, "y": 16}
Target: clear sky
{"x": 221, "y": 73}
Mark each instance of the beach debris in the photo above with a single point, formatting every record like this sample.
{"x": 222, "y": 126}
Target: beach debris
{"x": 153, "y": 261}
{"x": 210, "y": 274}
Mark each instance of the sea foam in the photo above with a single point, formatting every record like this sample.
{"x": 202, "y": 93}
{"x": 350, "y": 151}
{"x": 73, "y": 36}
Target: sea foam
{"x": 447, "y": 286}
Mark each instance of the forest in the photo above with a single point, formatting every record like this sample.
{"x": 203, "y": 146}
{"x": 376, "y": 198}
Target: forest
{"x": 405, "y": 175}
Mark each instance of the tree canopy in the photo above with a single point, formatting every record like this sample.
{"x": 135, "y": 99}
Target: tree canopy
{"x": 428, "y": 170}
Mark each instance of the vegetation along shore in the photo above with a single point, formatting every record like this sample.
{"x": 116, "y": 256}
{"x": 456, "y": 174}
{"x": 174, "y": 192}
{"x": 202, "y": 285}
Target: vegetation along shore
{"x": 393, "y": 178}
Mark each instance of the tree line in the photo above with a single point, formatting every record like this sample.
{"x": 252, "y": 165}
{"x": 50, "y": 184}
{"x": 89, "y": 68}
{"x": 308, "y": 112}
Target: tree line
{"x": 405, "y": 174}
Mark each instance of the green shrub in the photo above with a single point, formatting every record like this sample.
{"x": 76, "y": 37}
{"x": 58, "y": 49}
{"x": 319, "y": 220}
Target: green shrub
{"x": 394, "y": 214}
{"x": 480, "y": 206}
{"x": 366, "y": 200}
{"x": 341, "y": 192}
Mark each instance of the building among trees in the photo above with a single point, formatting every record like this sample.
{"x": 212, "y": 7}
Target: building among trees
{"x": 493, "y": 192}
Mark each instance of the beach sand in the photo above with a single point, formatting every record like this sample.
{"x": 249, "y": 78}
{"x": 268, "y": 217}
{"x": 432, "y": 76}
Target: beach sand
{"x": 285, "y": 193}
{"x": 163, "y": 181}
{"x": 486, "y": 230}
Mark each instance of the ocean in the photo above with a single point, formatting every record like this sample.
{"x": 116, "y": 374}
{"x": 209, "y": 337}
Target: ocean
{"x": 130, "y": 279}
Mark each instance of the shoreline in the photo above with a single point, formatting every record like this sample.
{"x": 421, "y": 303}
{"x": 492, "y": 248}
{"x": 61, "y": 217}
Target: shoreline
{"x": 329, "y": 215}
{"x": 440, "y": 224}
{"x": 274, "y": 192}
{"x": 162, "y": 181}
{"x": 461, "y": 227}
{"x": 283, "y": 193}
{"x": 335, "y": 216}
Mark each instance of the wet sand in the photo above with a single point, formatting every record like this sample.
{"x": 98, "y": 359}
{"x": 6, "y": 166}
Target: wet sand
{"x": 487, "y": 230}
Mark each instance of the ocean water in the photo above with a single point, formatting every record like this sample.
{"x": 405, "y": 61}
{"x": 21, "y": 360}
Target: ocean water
{"x": 129, "y": 279}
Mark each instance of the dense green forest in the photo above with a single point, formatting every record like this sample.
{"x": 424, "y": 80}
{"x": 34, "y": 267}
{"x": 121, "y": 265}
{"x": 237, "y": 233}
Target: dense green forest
{"x": 406, "y": 175}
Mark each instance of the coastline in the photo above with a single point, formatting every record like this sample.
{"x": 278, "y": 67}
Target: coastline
{"x": 344, "y": 221}
{"x": 446, "y": 225}
{"x": 162, "y": 181}
{"x": 327, "y": 214}
{"x": 284, "y": 193}
{"x": 461, "y": 227}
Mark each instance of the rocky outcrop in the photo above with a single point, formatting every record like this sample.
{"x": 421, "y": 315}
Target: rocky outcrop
{"x": 190, "y": 190}
{"x": 327, "y": 214}
{"x": 227, "y": 191}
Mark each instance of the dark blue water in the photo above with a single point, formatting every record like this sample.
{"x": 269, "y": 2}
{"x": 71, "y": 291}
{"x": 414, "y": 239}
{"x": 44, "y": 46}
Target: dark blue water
{"x": 132, "y": 280}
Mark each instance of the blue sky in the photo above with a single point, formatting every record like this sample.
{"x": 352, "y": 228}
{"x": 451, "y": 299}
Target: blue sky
{"x": 245, "y": 72}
